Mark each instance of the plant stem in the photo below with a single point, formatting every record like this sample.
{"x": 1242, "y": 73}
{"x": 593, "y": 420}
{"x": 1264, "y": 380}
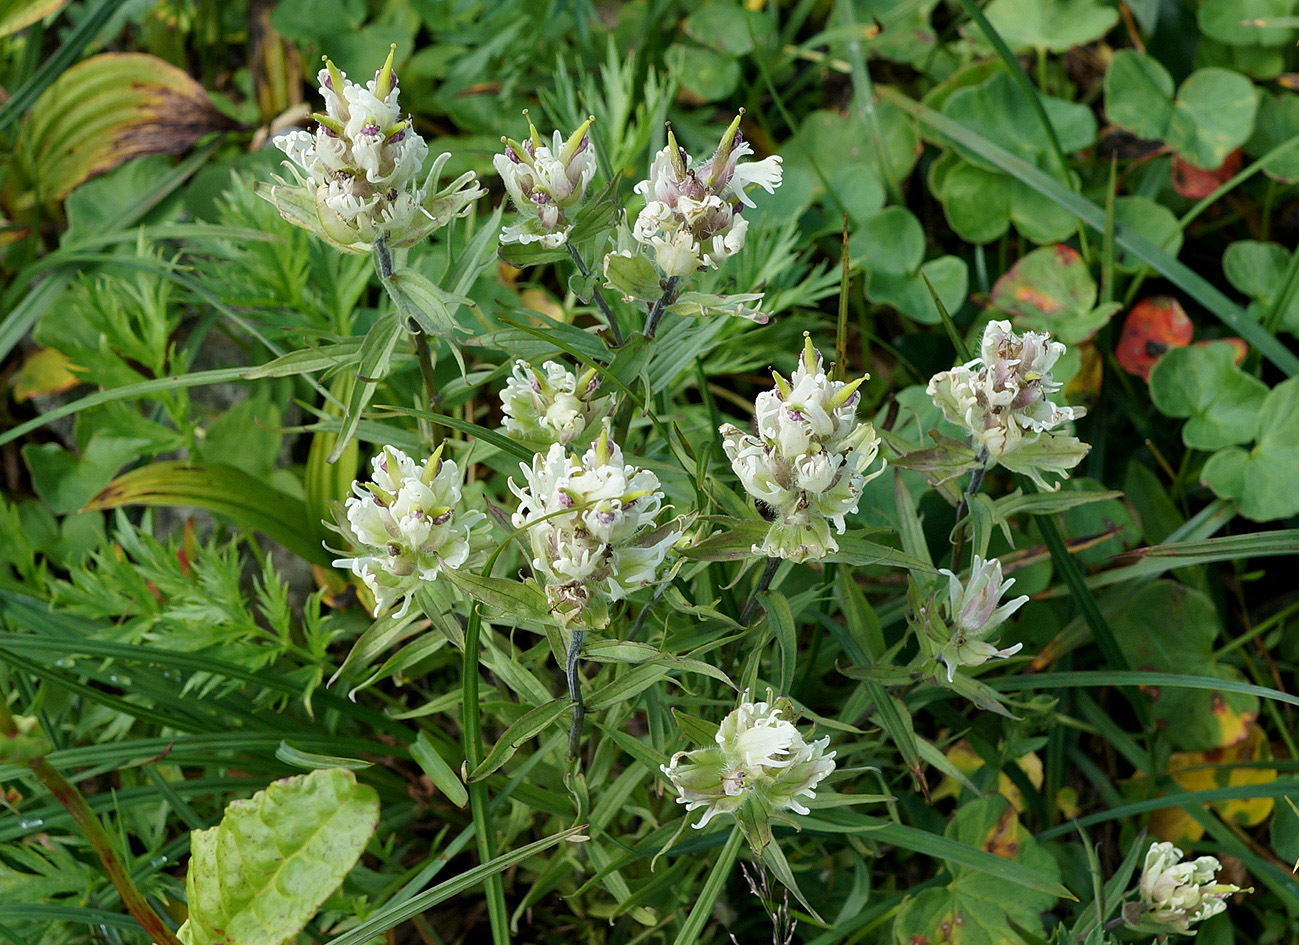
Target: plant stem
{"x": 664, "y": 300}
{"x": 764, "y": 582}
{"x": 118, "y": 873}
{"x": 423, "y": 353}
{"x": 472, "y": 740}
{"x": 601, "y": 303}
{"x": 575, "y": 691}
{"x": 976, "y": 481}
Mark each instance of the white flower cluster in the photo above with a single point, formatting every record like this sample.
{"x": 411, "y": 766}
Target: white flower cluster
{"x": 551, "y": 405}
{"x": 406, "y": 526}
{"x": 360, "y": 170}
{"x": 545, "y": 183}
{"x": 807, "y": 464}
{"x": 759, "y": 755}
{"x": 1002, "y": 398}
{"x": 692, "y": 216}
{"x": 593, "y": 529}
{"x": 975, "y": 611}
{"x": 1174, "y": 895}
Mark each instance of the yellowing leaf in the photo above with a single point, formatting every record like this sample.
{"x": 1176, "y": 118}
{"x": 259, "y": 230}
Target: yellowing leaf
{"x": 1198, "y": 771}
{"x": 46, "y": 372}
{"x": 20, "y": 14}
{"x": 102, "y": 113}
{"x": 968, "y": 762}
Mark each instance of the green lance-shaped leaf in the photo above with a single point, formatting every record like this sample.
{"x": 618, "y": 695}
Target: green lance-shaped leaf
{"x": 259, "y": 876}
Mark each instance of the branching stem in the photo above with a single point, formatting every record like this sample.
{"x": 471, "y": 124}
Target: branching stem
{"x": 575, "y": 691}
{"x": 976, "y": 482}
{"x": 423, "y": 353}
{"x": 664, "y": 300}
{"x": 615, "y": 330}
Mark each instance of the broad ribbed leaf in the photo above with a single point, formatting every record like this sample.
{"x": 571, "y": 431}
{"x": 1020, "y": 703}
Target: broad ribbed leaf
{"x": 260, "y": 875}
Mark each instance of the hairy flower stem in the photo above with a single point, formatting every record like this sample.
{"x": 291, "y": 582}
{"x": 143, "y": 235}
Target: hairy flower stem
{"x": 575, "y": 692}
{"x": 423, "y": 353}
{"x": 764, "y": 582}
{"x": 976, "y": 482}
{"x": 664, "y": 300}
{"x": 118, "y": 873}
{"x": 601, "y": 303}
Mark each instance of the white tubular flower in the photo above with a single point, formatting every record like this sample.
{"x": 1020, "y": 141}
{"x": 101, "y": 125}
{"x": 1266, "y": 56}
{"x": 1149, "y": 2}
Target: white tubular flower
{"x": 592, "y": 525}
{"x": 975, "y": 611}
{"x": 546, "y": 183}
{"x": 692, "y": 217}
{"x": 1002, "y": 399}
{"x": 808, "y": 462}
{"x": 551, "y": 405}
{"x": 405, "y": 526}
{"x": 355, "y": 177}
{"x": 759, "y": 755}
{"x": 1174, "y": 895}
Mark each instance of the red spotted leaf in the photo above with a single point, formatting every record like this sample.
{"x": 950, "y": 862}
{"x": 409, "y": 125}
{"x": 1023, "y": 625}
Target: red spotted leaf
{"x": 1152, "y": 327}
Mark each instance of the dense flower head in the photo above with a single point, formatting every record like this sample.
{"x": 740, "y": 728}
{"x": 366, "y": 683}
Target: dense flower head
{"x": 406, "y": 526}
{"x": 1002, "y": 397}
{"x": 546, "y": 183}
{"x": 552, "y": 404}
{"x": 807, "y": 463}
{"x": 760, "y": 754}
{"x": 1174, "y": 894}
{"x": 974, "y": 612}
{"x": 693, "y": 215}
{"x": 592, "y": 523}
{"x": 356, "y": 174}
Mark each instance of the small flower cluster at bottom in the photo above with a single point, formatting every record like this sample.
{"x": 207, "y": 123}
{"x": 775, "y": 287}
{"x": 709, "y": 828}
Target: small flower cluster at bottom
{"x": 1173, "y": 895}
{"x": 761, "y": 760}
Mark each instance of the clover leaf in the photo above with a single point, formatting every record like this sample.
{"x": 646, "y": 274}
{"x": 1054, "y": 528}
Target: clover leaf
{"x": 1262, "y": 480}
{"x": 1259, "y": 270}
{"x": 1203, "y": 384}
{"x": 893, "y": 255}
{"x": 1211, "y": 115}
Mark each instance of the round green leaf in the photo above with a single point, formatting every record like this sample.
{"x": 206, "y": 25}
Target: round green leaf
{"x": 1149, "y": 220}
{"x": 1054, "y": 25}
{"x": 1211, "y": 115}
{"x": 1277, "y": 123}
{"x": 1203, "y": 384}
{"x": 708, "y": 75}
{"x": 1258, "y": 270}
{"x": 1263, "y": 479}
{"x": 998, "y": 110}
{"x": 976, "y": 908}
{"x": 1232, "y": 22}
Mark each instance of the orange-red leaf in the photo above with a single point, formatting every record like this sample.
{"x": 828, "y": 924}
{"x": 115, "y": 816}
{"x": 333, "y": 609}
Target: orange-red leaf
{"x": 1153, "y": 326}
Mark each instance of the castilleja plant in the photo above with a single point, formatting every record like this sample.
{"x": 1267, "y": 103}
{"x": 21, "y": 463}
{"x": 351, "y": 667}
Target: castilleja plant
{"x": 808, "y": 461}
{"x": 760, "y": 768}
{"x": 407, "y": 525}
{"x": 660, "y": 564}
{"x": 692, "y": 217}
{"x": 356, "y": 178}
{"x": 546, "y": 183}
